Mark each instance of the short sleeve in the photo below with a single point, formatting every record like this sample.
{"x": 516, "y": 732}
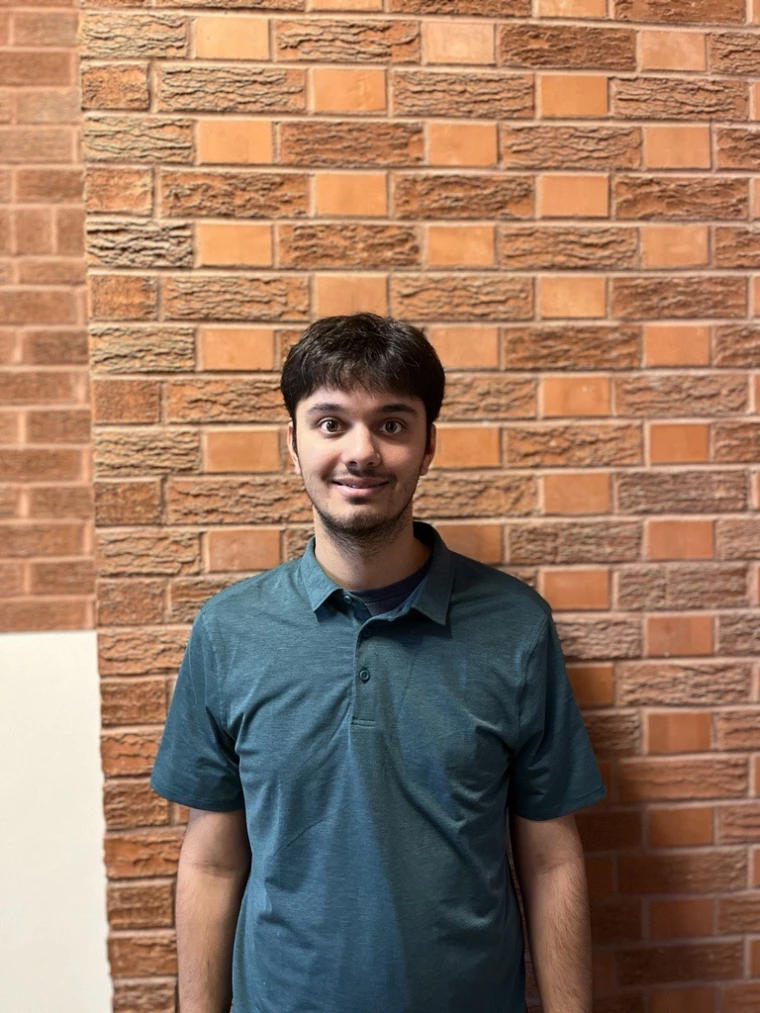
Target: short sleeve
{"x": 196, "y": 764}
{"x": 554, "y": 771}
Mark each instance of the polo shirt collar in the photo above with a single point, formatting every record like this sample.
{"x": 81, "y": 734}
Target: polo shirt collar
{"x": 433, "y": 597}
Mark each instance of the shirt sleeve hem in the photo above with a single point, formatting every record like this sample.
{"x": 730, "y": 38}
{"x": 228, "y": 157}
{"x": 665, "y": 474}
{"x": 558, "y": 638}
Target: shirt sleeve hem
{"x": 565, "y": 807}
{"x": 181, "y": 797}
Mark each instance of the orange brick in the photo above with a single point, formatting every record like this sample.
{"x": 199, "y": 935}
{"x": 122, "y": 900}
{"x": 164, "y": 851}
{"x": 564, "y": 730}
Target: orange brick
{"x": 468, "y": 447}
{"x": 122, "y": 297}
{"x": 571, "y": 196}
{"x": 572, "y": 96}
{"x": 345, "y": 5}
{"x": 243, "y": 549}
{"x": 674, "y": 245}
{"x": 236, "y": 348}
{"x": 682, "y": 539}
{"x": 233, "y": 244}
{"x": 478, "y": 541}
{"x": 231, "y": 38}
{"x": 462, "y": 143}
{"x": 348, "y": 90}
{"x": 678, "y": 443}
{"x": 237, "y": 142}
{"x": 681, "y": 732}
{"x": 755, "y": 192}
{"x": 683, "y": 1000}
{"x": 679, "y": 636}
{"x": 681, "y": 919}
{"x": 350, "y": 293}
{"x": 577, "y": 493}
{"x": 755, "y": 17}
{"x": 575, "y": 395}
{"x": 576, "y": 590}
{"x": 351, "y": 194}
{"x": 241, "y": 450}
{"x": 572, "y": 8}
{"x": 671, "y": 50}
{"x": 687, "y": 826}
{"x": 754, "y": 102}
{"x": 683, "y": 147}
{"x": 592, "y": 685}
{"x": 600, "y": 874}
{"x": 754, "y": 958}
{"x": 756, "y": 296}
{"x": 466, "y": 347}
{"x": 755, "y": 872}
{"x": 461, "y": 245}
{"x": 470, "y": 42}
{"x": 676, "y": 345}
{"x": 572, "y": 296}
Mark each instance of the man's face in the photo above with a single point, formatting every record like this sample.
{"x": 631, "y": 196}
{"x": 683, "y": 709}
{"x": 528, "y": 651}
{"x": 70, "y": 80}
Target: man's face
{"x": 360, "y": 456}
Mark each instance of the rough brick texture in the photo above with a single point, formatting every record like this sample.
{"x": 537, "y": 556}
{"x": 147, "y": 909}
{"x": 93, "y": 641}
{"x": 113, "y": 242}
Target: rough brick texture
{"x": 45, "y": 470}
{"x": 563, "y": 193}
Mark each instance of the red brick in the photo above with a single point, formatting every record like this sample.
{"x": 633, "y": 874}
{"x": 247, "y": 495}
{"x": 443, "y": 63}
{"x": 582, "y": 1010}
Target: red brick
{"x": 576, "y": 590}
{"x": 696, "y": 872}
{"x": 132, "y": 701}
{"x": 126, "y": 401}
{"x": 30, "y": 67}
{"x": 479, "y": 541}
{"x": 577, "y": 493}
{"x": 683, "y": 780}
{"x": 131, "y": 602}
{"x": 592, "y": 685}
{"x": 45, "y": 614}
{"x": 679, "y": 635}
{"x": 142, "y": 955}
{"x": 676, "y": 345}
{"x": 466, "y": 347}
{"x": 681, "y": 919}
{"x": 49, "y": 184}
{"x": 686, "y": 826}
{"x": 681, "y": 732}
{"x": 115, "y": 189}
{"x": 239, "y": 450}
{"x": 123, "y": 297}
{"x": 681, "y": 539}
{"x": 679, "y": 443}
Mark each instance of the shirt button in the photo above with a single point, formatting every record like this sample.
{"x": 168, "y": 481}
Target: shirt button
{"x": 366, "y": 634}
{"x": 364, "y": 675}
{"x": 346, "y": 597}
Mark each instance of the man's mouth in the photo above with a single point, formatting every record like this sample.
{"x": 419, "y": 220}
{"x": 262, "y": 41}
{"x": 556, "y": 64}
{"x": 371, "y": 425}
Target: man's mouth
{"x": 361, "y": 483}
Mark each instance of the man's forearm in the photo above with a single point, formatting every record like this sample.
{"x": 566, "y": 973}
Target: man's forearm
{"x": 557, "y": 912}
{"x": 208, "y": 903}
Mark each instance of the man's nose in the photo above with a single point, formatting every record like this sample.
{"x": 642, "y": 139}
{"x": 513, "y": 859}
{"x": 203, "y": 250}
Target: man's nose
{"x": 361, "y": 448}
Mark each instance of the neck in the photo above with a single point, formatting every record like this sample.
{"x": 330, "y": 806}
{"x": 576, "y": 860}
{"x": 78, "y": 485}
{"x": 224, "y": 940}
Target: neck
{"x": 361, "y": 563}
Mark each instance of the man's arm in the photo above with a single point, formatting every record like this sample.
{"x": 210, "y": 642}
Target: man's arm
{"x": 549, "y": 862}
{"x": 212, "y": 873}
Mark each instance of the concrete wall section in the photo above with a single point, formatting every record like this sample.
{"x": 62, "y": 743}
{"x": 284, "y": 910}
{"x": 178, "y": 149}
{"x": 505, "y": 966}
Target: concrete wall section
{"x": 53, "y": 924}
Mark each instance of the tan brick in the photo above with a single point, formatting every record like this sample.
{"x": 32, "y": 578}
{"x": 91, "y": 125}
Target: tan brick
{"x": 687, "y": 636}
{"x": 119, "y": 401}
{"x": 671, "y": 50}
{"x": 351, "y": 194}
{"x": 684, "y": 297}
{"x": 344, "y": 90}
{"x": 243, "y": 549}
{"x": 678, "y": 779}
{"x": 122, "y": 297}
{"x": 681, "y": 539}
{"x": 346, "y": 293}
{"x": 347, "y": 40}
{"x": 721, "y": 12}
{"x": 468, "y": 447}
{"x": 234, "y": 141}
{"x": 231, "y": 38}
{"x": 576, "y": 590}
{"x": 572, "y": 96}
{"x": 471, "y": 43}
{"x": 466, "y": 144}
{"x": 467, "y": 347}
{"x": 572, "y": 8}
{"x": 571, "y": 196}
{"x": 226, "y": 245}
{"x": 676, "y": 345}
{"x": 674, "y": 246}
{"x": 129, "y": 191}
{"x": 490, "y": 95}
{"x": 310, "y": 245}
{"x": 115, "y": 86}
{"x": 236, "y": 348}
{"x": 566, "y": 46}
{"x": 681, "y": 147}
{"x": 572, "y": 296}
{"x": 45, "y": 28}
{"x": 30, "y": 67}
{"x": 678, "y": 443}
{"x": 345, "y": 5}
{"x": 575, "y": 396}
{"x": 478, "y": 541}
{"x": 460, "y": 245}
{"x": 577, "y": 494}
{"x": 241, "y": 450}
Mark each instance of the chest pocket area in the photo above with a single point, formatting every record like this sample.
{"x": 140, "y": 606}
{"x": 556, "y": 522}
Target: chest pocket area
{"x": 446, "y": 744}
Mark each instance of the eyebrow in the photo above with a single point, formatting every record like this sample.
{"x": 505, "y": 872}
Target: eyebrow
{"x": 398, "y": 407}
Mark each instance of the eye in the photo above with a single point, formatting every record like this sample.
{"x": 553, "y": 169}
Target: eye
{"x": 329, "y": 425}
{"x": 397, "y": 427}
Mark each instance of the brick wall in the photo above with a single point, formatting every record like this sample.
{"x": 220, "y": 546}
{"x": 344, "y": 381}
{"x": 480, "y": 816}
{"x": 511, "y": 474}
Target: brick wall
{"x": 562, "y": 192}
{"x": 46, "y": 570}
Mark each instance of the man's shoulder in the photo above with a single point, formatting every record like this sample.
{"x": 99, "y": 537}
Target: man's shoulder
{"x": 271, "y": 589}
{"x": 498, "y": 593}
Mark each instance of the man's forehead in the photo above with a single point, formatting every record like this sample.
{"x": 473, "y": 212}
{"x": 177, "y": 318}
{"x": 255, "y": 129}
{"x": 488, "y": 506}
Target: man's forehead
{"x": 359, "y": 398}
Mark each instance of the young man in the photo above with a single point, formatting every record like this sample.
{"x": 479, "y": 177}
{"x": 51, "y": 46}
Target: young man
{"x": 355, "y": 731}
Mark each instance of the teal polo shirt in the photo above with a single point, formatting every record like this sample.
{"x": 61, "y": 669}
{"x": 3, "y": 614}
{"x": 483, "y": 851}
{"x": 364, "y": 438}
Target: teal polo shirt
{"x": 376, "y": 759}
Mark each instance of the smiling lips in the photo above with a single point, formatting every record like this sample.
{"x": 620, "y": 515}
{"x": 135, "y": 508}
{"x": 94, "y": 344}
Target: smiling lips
{"x": 361, "y": 484}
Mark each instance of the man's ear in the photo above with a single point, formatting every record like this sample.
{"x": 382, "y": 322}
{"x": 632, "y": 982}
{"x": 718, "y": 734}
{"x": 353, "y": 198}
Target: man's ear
{"x": 292, "y": 447}
{"x": 429, "y": 452}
